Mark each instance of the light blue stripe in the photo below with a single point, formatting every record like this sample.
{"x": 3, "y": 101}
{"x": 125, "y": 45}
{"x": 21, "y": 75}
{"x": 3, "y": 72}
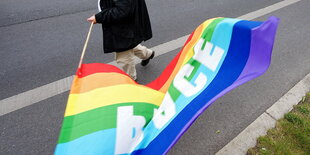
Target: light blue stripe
{"x": 221, "y": 37}
{"x": 95, "y": 143}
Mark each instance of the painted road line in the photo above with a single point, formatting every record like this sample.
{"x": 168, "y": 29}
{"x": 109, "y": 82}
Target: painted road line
{"x": 247, "y": 138}
{"x": 35, "y": 95}
{"x": 44, "y": 92}
{"x": 268, "y": 9}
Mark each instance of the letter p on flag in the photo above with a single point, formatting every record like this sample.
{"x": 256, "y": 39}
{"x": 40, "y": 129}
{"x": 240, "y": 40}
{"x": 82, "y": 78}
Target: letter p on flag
{"x": 129, "y": 131}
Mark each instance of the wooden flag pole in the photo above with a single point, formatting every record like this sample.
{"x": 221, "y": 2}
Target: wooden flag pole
{"x": 85, "y": 45}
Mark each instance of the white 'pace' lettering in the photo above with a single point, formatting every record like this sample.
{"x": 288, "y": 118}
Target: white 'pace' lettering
{"x": 129, "y": 130}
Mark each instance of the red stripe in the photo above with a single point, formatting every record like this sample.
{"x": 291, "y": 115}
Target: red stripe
{"x": 88, "y": 69}
{"x": 161, "y": 80}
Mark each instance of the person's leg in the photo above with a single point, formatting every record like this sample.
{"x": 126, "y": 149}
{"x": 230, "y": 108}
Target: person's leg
{"x": 125, "y": 60}
{"x": 143, "y": 53}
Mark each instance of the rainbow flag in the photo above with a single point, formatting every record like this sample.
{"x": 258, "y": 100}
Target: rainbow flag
{"x": 109, "y": 113}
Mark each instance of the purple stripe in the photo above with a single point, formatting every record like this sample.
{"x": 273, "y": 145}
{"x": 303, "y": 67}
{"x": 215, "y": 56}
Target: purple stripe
{"x": 262, "y": 40}
{"x": 260, "y": 57}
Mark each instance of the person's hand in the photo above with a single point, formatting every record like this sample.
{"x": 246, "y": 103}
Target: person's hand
{"x": 92, "y": 19}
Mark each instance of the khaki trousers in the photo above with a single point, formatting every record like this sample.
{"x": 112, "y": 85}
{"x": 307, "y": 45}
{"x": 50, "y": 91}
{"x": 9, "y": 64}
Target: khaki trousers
{"x": 126, "y": 60}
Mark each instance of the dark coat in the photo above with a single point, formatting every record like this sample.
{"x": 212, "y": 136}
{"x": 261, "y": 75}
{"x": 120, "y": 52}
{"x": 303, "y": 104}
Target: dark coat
{"x": 125, "y": 24}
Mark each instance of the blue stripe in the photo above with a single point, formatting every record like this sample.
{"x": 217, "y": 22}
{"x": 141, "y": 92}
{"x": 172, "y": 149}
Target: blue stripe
{"x": 232, "y": 67}
{"x": 221, "y": 37}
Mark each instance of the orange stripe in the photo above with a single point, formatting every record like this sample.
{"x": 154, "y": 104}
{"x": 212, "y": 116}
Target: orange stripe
{"x": 99, "y": 80}
{"x": 197, "y": 34}
{"x": 186, "y": 49}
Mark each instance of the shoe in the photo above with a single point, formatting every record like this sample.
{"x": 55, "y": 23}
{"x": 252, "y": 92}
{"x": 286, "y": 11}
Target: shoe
{"x": 146, "y": 61}
{"x": 136, "y": 80}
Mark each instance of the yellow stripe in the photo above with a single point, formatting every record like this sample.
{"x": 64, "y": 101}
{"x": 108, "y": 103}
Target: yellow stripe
{"x": 187, "y": 49}
{"x": 100, "y": 97}
{"x": 190, "y": 54}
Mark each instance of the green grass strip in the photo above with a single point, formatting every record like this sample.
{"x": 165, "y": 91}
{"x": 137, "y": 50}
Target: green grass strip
{"x": 99, "y": 119}
{"x": 291, "y": 136}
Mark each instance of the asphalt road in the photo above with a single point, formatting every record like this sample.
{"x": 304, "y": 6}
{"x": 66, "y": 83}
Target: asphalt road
{"x": 38, "y": 52}
{"x": 41, "y": 41}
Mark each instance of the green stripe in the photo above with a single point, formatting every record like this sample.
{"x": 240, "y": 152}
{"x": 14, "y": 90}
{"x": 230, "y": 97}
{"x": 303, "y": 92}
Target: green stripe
{"x": 208, "y": 33}
{"x": 99, "y": 119}
{"x": 207, "y": 36}
{"x": 175, "y": 93}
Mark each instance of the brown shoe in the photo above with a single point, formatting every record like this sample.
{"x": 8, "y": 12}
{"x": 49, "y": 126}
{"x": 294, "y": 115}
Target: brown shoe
{"x": 146, "y": 61}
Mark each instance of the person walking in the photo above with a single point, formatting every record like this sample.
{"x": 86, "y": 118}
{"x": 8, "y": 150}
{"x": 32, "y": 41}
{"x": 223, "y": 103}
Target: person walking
{"x": 125, "y": 24}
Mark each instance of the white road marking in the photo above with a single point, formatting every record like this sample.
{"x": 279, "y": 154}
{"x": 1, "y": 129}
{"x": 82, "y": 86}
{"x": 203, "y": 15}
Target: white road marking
{"x": 49, "y": 90}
